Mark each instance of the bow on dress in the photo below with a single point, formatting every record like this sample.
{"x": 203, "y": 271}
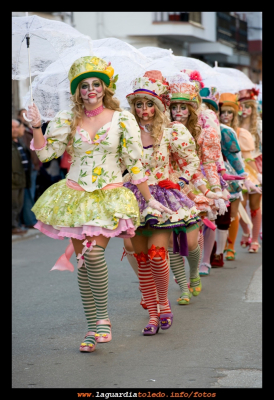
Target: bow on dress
{"x": 63, "y": 263}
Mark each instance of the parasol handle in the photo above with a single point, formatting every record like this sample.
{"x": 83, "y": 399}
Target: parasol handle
{"x": 31, "y": 100}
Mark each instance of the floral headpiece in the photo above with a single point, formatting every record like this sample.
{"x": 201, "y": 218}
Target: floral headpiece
{"x": 151, "y": 86}
{"x": 249, "y": 94}
{"x": 88, "y": 67}
{"x": 195, "y": 77}
{"x": 210, "y": 95}
{"x": 183, "y": 91}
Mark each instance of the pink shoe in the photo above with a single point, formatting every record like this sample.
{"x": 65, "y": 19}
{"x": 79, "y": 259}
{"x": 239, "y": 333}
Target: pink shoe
{"x": 103, "y": 337}
{"x": 88, "y": 347}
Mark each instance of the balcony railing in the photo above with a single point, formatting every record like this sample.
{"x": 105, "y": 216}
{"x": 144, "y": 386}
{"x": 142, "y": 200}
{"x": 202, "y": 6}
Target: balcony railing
{"x": 232, "y": 30}
{"x": 183, "y": 16}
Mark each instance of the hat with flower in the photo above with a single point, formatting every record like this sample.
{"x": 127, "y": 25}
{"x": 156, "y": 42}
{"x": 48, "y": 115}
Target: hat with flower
{"x": 89, "y": 67}
{"x": 151, "y": 86}
{"x": 182, "y": 90}
{"x": 229, "y": 99}
{"x": 195, "y": 78}
{"x": 210, "y": 95}
{"x": 248, "y": 94}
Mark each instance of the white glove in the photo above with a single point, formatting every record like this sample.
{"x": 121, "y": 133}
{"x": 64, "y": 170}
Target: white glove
{"x": 259, "y": 176}
{"x": 214, "y": 196}
{"x": 153, "y": 203}
{"x": 34, "y": 115}
{"x": 251, "y": 186}
{"x": 220, "y": 204}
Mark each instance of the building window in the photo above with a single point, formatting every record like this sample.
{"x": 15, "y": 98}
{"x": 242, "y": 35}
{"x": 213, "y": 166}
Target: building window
{"x": 183, "y": 16}
{"x": 232, "y": 31}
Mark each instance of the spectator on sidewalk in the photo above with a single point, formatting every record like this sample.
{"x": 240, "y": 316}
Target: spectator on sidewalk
{"x": 19, "y": 166}
{"x": 27, "y": 216}
{"x": 49, "y": 173}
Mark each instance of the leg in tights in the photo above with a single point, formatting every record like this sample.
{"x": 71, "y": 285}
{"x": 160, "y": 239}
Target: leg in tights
{"x": 233, "y": 230}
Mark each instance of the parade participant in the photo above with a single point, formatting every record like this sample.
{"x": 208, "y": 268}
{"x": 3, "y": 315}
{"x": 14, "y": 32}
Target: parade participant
{"x": 185, "y": 108}
{"x": 229, "y": 108}
{"x": 148, "y": 104}
{"x": 91, "y": 205}
{"x": 233, "y": 167}
{"x": 249, "y": 119}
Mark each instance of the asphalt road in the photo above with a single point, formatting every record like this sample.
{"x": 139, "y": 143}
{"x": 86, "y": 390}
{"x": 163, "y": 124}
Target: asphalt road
{"x": 215, "y": 342}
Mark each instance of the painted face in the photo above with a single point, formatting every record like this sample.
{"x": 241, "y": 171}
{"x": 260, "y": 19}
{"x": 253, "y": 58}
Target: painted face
{"x": 145, "y": 109}
{"x": 226, "y": 117}
{"x": 91, "y": 91}
{"x": 179, "y": 112}
{"x": 246, "y": 110}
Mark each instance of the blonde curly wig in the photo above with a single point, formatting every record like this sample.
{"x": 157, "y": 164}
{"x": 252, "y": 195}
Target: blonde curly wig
{"x": 160, "y": 122}
{"x": 109, "y": 102}
{"x": 253, "y": 122}
{"x": 192, "y": 123}
{"x": 235, "y": 121}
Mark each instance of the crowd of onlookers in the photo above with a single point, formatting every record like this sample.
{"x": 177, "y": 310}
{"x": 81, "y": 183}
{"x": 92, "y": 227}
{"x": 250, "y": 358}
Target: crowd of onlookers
{"x": 30, "y": 177}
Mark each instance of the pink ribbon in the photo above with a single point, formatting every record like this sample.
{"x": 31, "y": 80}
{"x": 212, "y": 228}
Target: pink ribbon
{"x": 63, "y": 263}
{"x": 87, "y": 246}
{"x": 209, "y": 224}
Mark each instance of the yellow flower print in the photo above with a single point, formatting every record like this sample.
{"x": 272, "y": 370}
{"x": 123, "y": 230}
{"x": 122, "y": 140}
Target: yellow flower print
{"x": 67, "y": 122}
{"x": 96, "y": 137}
{"x": 88, "y": 152}
{"x": 122, "y": 125}
{"x": 97, "y": 170}
{"x": 50, "y": 141}
{"x": 55, "y": 210}
{"x": 89, "y": 67}
{"x": 124, "y": 142}
{"x": 69, "y": 210}
{"x": 95, "y": 60}
{"x": 135, "y": 170}
{"x": 93, "y": 178}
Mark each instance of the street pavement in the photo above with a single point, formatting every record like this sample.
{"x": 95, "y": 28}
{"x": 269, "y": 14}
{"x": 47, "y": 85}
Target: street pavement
{"x": 215, "y": 342}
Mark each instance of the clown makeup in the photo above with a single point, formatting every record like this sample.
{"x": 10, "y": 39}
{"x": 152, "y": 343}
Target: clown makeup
{"x": 179, "y": 112}
{"x": 226, "y": 117}
{"x": 246, "y": 110}
{"x": 145, "y": 110}
{"x": 92, "y": 92}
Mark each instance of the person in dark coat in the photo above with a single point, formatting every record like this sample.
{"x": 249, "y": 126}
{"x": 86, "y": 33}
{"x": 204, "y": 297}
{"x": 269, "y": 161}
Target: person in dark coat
{"x": 19, "y": 165}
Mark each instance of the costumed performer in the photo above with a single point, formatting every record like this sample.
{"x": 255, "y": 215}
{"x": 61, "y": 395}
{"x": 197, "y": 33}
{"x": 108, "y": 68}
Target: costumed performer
{"x": 148, "y": 104}
{"x": 249, "y": 119}
{"x": 229, "y": 108}
{"x": 91, "y": 205}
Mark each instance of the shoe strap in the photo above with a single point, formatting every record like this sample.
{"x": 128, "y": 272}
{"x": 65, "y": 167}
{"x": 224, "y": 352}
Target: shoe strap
{"x": 204, "y": 264}
{"x": 256, "y": 243}
{"x": 246, "y": 234}
{"x": 90, "y": 333}
{"x": 103, "y": 322}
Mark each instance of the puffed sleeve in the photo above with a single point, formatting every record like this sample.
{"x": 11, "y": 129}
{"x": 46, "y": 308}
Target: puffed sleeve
{"x": 231, "y": 148}
{"x": 131, "y": 147}
{"x": 56, "y": 137}
{"x": 209, "y": 119}
{"x": 183, "y": 145}
{"x": 246, "y": 142}
{"x": 210, "y": 146}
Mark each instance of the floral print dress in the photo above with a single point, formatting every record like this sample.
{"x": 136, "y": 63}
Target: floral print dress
{"x": 82, "y": 205}
{"x": 156, "y": 163}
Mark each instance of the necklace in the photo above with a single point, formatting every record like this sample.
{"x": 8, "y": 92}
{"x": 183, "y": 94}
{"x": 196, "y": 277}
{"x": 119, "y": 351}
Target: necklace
{"x": 145, "y": 128}
{"x": 94, "y": 112}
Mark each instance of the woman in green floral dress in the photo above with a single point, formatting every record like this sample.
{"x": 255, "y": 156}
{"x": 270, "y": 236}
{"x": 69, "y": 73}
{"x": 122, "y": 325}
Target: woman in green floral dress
{"x": 91, "y": 205}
